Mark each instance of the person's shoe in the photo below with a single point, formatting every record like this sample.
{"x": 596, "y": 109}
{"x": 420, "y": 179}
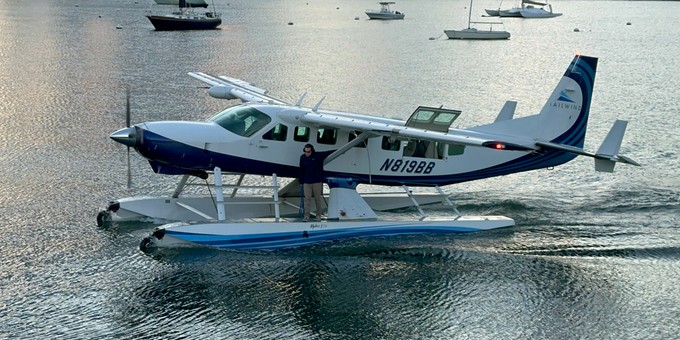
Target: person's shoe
{"x": 318, "y": 219}
{"x": 306, "y": 219}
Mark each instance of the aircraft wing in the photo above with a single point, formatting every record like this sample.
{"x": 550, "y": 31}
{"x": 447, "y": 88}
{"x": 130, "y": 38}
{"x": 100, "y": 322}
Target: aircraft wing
{"x": 224, "y": 87}
{"x": 231, "y": 88}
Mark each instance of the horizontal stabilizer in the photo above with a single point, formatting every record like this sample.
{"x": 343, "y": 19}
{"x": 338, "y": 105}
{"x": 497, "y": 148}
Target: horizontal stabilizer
{"x": 607, "y": 155}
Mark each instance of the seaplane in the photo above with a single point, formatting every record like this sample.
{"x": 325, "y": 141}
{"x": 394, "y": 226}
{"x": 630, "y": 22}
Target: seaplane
{"x": 265, "y": 136}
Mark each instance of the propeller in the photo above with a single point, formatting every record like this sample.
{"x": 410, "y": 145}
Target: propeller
{"x": 127, "y": 124}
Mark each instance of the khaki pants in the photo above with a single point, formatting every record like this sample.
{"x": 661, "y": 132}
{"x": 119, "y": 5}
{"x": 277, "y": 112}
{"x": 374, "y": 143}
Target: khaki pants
{"x": 313, "y": 189}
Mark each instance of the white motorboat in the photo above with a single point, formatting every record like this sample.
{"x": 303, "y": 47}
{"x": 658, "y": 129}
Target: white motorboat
{"x": 514, "y": 11}
{"x": 540, "y": 12}
{"x": 472, "y": 33}
{"x": 385, "y": 13}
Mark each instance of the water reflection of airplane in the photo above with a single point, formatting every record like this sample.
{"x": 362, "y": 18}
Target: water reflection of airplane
{"x": 265, "y": 136}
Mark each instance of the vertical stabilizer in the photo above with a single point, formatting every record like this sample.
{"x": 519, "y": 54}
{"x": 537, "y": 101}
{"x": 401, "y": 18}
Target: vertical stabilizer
{"x": 507, "y": 111}
{"x": 607, "y": 154}
{"x": 564, "y": 116}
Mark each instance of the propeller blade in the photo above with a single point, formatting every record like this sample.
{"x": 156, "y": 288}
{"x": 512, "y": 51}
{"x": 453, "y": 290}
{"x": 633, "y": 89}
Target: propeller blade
{"x": 127, "y": 124}
{"x": 127, "y": 107}
{"x": 129, "y": 170}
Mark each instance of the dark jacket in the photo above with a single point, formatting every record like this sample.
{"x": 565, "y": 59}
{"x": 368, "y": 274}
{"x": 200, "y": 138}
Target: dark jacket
{"x": 311, "y": 168}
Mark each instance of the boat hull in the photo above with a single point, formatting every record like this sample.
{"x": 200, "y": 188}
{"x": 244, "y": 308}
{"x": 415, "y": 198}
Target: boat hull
{"x": 474, "y": 34}
{"x": 492, "y": 12}
{"x": 280, "y": 235}
{"x": 509, "y": 13}
{"x": 184, "y": 23}
{"x": 538, "y": 14}
{"x": 385, "y": 16}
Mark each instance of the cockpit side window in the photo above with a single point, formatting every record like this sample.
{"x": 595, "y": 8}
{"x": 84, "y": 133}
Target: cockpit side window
{"x": 242, "y": 120}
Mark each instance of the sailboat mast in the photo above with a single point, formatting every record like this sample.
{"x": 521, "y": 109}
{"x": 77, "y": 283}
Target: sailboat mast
{"x": 470, "y": 14}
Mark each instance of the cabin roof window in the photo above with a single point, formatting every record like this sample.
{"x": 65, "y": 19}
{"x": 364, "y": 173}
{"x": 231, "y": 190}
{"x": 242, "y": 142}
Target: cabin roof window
{"x": 242, "y": 120}
{"x": 431, "y": 118}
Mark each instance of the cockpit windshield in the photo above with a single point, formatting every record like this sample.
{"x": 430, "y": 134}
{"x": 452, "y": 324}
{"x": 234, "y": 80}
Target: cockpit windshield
{"x": 242, "y": 120}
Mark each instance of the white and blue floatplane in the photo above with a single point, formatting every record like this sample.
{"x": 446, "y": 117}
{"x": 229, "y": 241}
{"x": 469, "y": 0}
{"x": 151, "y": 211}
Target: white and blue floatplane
{"x": 264, "y": 136}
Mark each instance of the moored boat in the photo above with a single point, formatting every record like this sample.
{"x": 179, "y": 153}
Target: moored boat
{"x": 472, "y": 33}
{"x": 385, "y": 13}
{"x": 538, "y": 12}
{"x": 475, "y": 34}
{"x": 186, "y": 18}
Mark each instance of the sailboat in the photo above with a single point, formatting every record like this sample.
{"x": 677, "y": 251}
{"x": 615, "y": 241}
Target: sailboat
{"x": 475, "y": 34}
{"x": 185, "y": 19}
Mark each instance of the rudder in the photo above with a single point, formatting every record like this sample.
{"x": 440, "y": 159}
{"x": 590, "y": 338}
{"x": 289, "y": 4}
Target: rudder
{"x": 564, "y": 117}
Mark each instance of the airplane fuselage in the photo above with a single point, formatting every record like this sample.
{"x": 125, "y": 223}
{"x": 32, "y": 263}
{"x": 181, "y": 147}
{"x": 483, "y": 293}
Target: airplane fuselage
{"x": 275, "y": 147}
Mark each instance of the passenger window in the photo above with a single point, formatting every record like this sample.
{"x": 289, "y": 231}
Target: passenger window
{"x": 326, "y": 136}
{"x": 301, "y": 134}
{"x": 278, "y": 133}
{"x": 423, "y": 149}
{"x": 455, "y": 149}
{"x": 355, "y": 134}
{"x": 390, "y": 144}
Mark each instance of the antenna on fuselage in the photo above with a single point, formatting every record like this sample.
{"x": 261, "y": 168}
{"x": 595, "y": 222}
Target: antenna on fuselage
{"x": 316, "y": 107}
{"x": 298, "y": 103}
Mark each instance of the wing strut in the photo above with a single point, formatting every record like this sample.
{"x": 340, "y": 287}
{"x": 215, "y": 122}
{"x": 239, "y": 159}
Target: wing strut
{"x": 362, "y": 137}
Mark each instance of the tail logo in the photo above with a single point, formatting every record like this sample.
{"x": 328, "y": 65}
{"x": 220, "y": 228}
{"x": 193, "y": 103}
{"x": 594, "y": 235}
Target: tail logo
{"x": 565, "y": 97}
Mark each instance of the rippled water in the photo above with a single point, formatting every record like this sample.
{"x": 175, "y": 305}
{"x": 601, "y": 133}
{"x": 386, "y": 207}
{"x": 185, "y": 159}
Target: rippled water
{"x": 592, "y": 256}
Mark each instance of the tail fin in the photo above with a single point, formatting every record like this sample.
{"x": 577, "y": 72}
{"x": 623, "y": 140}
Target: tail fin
{"x": 564, "y": 116}
{"x": 507, "y": 111}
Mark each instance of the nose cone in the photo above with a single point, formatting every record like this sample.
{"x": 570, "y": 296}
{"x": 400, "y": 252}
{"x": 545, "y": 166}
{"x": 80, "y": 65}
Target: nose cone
{"x": 126, "y": 136}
